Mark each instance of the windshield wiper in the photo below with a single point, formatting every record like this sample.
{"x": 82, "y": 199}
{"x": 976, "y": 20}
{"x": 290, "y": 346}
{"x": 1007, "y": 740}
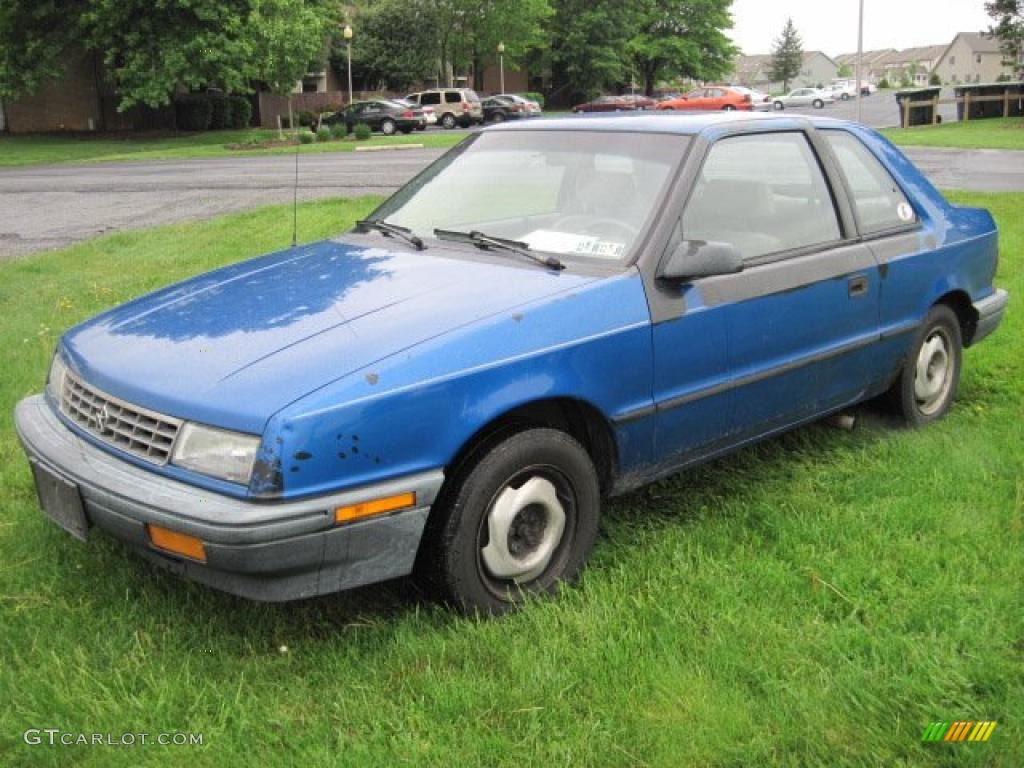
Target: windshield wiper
{"x": 388, "y": 229}
{"x": 486, "y": 242}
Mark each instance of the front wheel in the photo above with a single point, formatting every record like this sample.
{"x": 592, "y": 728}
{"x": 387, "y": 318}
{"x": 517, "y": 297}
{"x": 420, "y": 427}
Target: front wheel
{"x": 927, "y": 383}
{"x": 845, "y": 97}
{"x": 520, "y": 519}
{"x": 779, "y": 106}
{"x": 728, "y": 108}
{"x": 818, "y": 103}
{"x": 499, "y": 117}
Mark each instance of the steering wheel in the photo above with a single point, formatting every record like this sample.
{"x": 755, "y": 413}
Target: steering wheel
{"x": 592, "y": 225}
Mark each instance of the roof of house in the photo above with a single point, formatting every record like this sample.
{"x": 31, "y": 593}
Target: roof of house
{"x": 979, "y": 42}
{"x": 868, "y": 57}
{"x": 920, "y": 54}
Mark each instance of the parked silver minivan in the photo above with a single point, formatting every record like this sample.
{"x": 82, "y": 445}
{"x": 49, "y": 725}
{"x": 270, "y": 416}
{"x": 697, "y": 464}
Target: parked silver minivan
{"x": 453, "y": 106}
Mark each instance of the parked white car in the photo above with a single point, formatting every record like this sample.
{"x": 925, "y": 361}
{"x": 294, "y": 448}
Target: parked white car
{"x": 803, "y": 97}
{"x": 842, "y": 90}
{"x": 760, "y": 102}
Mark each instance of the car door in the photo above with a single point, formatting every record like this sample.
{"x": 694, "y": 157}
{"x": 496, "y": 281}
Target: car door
{"x": 786, "y": 338}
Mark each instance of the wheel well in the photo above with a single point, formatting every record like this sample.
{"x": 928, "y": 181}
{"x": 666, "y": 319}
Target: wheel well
{"x": 576, "y": 418}
{"x": 961, "y": 304}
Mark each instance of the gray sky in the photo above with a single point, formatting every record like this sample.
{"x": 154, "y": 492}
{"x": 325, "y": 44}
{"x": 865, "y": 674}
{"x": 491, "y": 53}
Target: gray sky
{"x": 831, "y": 25}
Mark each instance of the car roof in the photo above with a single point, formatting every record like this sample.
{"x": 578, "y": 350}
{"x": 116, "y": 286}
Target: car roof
{"x": 687, "y": 124}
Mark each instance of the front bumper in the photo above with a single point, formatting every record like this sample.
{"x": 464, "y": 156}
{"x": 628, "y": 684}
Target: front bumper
{"x": 990, "y": 313}
{"x": 269, "y": 551}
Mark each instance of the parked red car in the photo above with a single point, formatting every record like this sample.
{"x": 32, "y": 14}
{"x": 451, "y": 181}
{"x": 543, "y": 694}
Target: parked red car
{"x": 710, "y": 97}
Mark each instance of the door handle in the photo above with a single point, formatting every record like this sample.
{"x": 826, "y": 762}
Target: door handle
{"x": 858, "y": 286}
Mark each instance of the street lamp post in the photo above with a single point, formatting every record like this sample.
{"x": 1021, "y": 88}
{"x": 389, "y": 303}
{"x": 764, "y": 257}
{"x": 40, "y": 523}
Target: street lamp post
{"x": 347, "y": 33}
{"x": 501, "y": 65}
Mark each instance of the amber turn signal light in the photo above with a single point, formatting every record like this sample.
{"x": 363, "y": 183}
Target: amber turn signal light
{"x": 375, "y": 507}
{"x": 177, "y": 543}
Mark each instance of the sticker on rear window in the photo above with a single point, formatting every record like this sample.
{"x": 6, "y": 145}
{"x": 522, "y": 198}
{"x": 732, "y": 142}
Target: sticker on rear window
{"x": 905, "y": 212}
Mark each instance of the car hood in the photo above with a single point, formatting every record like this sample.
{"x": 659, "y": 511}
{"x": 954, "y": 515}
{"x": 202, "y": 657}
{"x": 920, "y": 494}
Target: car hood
{"x": 233, "y": 347}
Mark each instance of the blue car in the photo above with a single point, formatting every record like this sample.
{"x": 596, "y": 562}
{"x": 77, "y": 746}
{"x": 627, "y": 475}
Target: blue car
{"x": 552, "y": 313}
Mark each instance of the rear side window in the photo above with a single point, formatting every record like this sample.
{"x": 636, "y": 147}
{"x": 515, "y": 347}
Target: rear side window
{"x": 452, "y": 97}
{"x": 880, "y": 203}
{"x": 763, "y": 193}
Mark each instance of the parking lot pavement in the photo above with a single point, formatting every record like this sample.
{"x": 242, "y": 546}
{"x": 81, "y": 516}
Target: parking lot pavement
{"x": 879, "y": 110}
{"x": 48, "y": 207}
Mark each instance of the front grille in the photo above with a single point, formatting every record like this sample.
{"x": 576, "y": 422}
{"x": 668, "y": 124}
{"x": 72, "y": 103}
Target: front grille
{"x": 138, "y": 431}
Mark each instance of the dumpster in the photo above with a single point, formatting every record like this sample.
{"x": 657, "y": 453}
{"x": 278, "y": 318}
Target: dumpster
{"x": 922, "y": 115}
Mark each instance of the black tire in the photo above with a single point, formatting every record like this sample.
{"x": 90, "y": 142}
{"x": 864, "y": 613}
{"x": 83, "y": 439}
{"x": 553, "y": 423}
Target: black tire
{"x": 728, "y": 108}
{"x": 818, "y": 104}
{"x": 448, "y": 121}
{"x": 943, "y": 323}
{"x": 453, "y": 554}
{"x": 779, "y": 106}
{"x": 387, "y": 127}
{"x": 845, "y": 97}
{"x": 407, "y": 131}
{"x": 499, "y": 117}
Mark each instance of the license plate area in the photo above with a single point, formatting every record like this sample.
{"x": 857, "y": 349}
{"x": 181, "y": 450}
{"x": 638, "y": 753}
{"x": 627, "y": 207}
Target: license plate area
{"x": 61, "y": 501}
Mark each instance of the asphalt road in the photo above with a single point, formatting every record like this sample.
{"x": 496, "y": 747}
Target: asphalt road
{"x": 877, "y": 110}
{"x": 47, "y": 207}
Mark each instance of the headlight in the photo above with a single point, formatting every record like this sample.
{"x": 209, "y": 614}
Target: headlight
{"x": 55, "y": 380}
{"x": 216, "y": 452}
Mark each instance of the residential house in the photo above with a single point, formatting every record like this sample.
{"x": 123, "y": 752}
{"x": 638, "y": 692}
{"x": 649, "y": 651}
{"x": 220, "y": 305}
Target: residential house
{"x": 754, "y": 71}
{"x": 911, "y": 64}
{"x": 871, "y": 68}
{"x": 972, "y": 57}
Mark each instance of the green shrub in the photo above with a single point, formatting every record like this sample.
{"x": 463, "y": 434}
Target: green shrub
{"x": 241, "y": 111}
{"x": 362, "y": 132}
{"x": 534, "y": 96}
{"x": 339, "y": 131}
{"x": 306, "y": 137}
{"x": 884, "y": 83}
{"x": 193, "y": 112}
{"x": 934, "y": 79}
{"x": 306, "y": 118}
{"x": 220, "y": 113}
{"x": 323, "y": 133}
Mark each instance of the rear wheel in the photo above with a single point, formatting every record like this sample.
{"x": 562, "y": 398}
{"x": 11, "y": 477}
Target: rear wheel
{"x": 927, "y": 383}
{"x": 448, "y": 120}
{"x": 728, "y": 108}
{"x": 519, "y": 520}
{"x": 387, "y": 127}
{"x": 499, "y": 117}
{"x": 779, "y": 106}
{"x": 818, "y": 103}
{"x": 845, "y": 97}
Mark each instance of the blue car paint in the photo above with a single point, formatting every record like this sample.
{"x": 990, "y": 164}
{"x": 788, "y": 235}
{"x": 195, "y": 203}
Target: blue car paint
{"x": 359, "y": 361}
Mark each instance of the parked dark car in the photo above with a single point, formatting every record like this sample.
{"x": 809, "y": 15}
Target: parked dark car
{"x": 498, "y": 109}
{"x": 552, "y": 313}
{"x": 531, "y": 107}
{"x": 384, "y": 115}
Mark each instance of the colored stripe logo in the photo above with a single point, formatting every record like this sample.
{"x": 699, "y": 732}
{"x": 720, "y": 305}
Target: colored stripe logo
{"x": 959, "y": 730}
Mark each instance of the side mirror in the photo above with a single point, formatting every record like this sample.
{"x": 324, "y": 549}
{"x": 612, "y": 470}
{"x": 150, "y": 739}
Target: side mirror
{"x": 697, "y": 258}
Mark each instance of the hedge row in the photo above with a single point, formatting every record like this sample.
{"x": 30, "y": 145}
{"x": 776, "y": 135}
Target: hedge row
{"x": 203, "y": 111}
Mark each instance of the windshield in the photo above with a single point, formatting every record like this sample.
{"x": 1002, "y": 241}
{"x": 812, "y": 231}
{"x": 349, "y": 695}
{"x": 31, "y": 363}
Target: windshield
{"x": 586, "y": 194}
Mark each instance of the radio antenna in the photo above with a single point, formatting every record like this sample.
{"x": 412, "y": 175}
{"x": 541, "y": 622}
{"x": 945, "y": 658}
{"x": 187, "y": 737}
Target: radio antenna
{"x": 295, "y": 194}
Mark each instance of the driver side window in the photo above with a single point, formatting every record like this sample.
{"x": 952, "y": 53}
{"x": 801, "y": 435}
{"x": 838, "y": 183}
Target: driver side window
{"x": 762, "y": 193}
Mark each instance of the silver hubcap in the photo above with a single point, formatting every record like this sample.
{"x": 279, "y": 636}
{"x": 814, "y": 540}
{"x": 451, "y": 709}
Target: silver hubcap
{"x": 933, "y": 375}
{"x": 525, "y": 526}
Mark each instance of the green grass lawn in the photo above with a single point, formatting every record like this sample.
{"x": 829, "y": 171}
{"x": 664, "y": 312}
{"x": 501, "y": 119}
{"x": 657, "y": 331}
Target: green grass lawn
{"x": 814, "y": 601}
{"x": 994, "y": 133}
{"x": 51, "y": 148}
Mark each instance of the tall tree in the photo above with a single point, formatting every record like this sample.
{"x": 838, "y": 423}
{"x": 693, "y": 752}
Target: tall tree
{"x": 587, "y": 39}
{"x": 682, "y": 38}
{"x": 152, "y": 48}
{"x": 394, "y": 44}
{"x": 787, "y": 55}
{"x": 1008, "y": 16}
